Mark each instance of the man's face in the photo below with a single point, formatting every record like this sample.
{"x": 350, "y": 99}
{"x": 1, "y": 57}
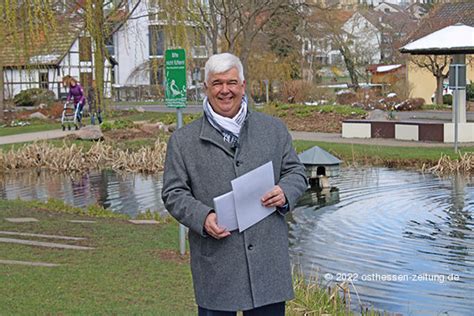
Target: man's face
{"x": 225, "y": 91}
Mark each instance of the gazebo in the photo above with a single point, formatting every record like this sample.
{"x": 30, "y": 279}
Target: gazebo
{"x": 456, "y": 40}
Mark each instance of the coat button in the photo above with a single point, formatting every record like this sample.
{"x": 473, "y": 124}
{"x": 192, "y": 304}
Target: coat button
{"x": 250, "y": 247}
{"x": 238, "y": 163}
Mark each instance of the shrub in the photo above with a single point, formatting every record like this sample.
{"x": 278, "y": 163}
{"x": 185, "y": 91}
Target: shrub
{"x": 346, "y": 97}
{"x": 448, "y": 99}
{"x": 34, "y": 97}
{"x": 410, "y": 104}
{"x": 299, "y": 91}
{"x": 470, "y": 91}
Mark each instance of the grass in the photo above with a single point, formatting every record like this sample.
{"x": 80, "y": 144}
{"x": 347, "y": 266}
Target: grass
{"x": 132, "y": 270}
{"x": 34, "y": 127}
{"x": 313, "y": 299}
{"x": 440, "y": 107}
{"x": 387, "y": 156}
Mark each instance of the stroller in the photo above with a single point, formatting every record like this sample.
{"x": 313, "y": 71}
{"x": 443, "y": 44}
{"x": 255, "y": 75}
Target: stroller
{"x": 71, "y": 116}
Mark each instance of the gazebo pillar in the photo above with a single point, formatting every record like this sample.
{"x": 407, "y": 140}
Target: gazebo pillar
{"x": 459, "y": 95}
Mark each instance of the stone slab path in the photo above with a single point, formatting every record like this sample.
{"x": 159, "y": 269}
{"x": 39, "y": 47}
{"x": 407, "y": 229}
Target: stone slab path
{"x": 143, "y": 221}
{"x": 43, "y": 244}
{"x": 29, "y": 263}
{"x": 40, "y": 235}
{"x": 21, "y": 219}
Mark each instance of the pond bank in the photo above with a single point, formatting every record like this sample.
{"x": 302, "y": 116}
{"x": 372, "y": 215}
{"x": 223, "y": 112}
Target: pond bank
{"x": 133, "y": 269}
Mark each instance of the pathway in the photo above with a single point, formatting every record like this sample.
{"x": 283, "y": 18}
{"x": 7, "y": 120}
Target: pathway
{"x": 322, "y": 137}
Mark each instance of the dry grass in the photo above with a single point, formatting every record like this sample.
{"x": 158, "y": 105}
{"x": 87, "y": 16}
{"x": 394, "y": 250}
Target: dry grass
{"x": 74, "y": 158}
{"x": 447, "y": 166}
{"x": 311, "y": 298}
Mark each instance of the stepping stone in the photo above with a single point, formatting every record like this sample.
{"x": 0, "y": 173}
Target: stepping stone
{"x": 143, "y": 221}
{"x": 28, "y": 263}
{"x": 21, "y": 219}
{"x": 81, "y": 221}
{"x": 40, "y": 235}
{"x": 42, "y": 244}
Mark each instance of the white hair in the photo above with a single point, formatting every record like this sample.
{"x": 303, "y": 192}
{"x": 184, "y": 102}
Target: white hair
{"x": 220, "y": 63}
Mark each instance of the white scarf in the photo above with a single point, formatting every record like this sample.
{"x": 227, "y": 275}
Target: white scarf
{"x": 228, "y": 127}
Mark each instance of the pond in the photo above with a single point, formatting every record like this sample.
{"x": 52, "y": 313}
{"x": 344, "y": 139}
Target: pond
{"x": 403, "y": 240}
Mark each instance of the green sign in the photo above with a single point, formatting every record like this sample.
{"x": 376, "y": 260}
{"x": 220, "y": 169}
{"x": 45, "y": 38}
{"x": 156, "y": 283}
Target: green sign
{"x": 175, "y": 72}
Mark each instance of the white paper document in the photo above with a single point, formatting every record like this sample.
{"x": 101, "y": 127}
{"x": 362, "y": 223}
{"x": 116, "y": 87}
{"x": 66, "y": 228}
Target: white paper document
{"x": 248, "y": 191}
{"x": 224, "y": 206}
{"x": 242, "y": 207}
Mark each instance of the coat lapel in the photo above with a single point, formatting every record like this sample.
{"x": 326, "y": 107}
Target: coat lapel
{"x": 210, "y": 134}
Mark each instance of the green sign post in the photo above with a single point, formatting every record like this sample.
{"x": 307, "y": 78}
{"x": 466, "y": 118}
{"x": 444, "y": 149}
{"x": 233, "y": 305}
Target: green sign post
{"x": 175, "y": 97}
{"x": 175, "y": 72}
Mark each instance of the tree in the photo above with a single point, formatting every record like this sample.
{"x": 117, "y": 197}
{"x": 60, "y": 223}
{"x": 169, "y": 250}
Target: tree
{"x": 326, "y": 25}
{"x": 101, "y": 19}
{"x": 438, "y": 65}
{"x": 24, "y": 25}
{"x": 236, "y": 24}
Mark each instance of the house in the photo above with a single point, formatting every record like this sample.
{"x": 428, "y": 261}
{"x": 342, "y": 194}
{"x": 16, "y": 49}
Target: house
{"x": 387, "y": 74}
{"x": 319, "y": 47}
{"x": 363, "y": 27}
{"x": 66, "y": 51}
{"x": 421, "y": 81}
{"x": 418, "y": 10}
{"x": 140, "y": 44}
{"x": 387, "y": 7}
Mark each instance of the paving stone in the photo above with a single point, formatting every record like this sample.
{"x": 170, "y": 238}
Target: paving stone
{"x": 28, "y": 263}
{"x": 21, "y": 219}
{"x": 143, "y": 221}
{"x": 40, "y": 235}
{"x": 43, "y": 244}
{"x": 81, "y": 221}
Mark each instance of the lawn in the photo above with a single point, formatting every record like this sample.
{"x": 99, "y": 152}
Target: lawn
{"x": 35, "y": 127}
{"x": 388, "y": 156}
{"x": 134, "y": 269}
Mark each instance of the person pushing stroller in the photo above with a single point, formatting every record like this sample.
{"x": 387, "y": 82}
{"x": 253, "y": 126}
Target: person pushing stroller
{"x": 76, "y": 94}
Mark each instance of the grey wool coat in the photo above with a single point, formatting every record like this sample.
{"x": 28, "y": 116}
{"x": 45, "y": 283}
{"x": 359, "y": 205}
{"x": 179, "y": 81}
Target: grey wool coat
{"x": 244, "y": 270}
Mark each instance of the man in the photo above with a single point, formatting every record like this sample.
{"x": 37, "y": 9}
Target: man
{"x": 232, "y": 271}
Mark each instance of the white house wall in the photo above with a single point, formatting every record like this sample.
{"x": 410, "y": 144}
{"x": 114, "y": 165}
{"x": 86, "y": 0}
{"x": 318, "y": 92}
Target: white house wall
{"x": 17, "y": 80}
{"x": 367, "y": 38}
{"x": 132, "y": 50}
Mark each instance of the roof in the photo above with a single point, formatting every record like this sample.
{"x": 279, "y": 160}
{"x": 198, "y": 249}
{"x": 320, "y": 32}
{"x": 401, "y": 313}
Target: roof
{"x": 384, "y": 69}
{"x": 458, "y": 38}
{"x": 318, "y": 156}
{"x": 398, "y": 21}
{"x": 394, "y": 6}
{"x": 444, "y": 15}
{"x": 45, "y": 50}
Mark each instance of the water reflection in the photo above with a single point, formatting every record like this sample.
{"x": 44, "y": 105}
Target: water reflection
{"x": 406, "y": 239}
{"x": 122, "y": 193}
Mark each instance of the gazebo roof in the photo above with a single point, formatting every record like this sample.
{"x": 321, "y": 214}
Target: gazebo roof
{"x": 318, "y": 156}
{"x": 453, "y": 39}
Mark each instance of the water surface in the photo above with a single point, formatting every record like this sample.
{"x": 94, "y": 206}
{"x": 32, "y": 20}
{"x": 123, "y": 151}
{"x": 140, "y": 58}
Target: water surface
{"x": 405, "y": 240}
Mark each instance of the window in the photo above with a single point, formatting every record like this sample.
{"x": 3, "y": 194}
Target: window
{"x": 109, "y": 44}
{"x": 43, "y": 80}
{"x": 156, "y": 74}
{"x": 85, "y": 49}
{"x": 157, "y": 40}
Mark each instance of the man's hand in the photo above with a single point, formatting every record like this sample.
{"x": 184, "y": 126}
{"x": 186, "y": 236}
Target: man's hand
{"x": 275, "y": 197}
{"x": 211, "y": 227}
